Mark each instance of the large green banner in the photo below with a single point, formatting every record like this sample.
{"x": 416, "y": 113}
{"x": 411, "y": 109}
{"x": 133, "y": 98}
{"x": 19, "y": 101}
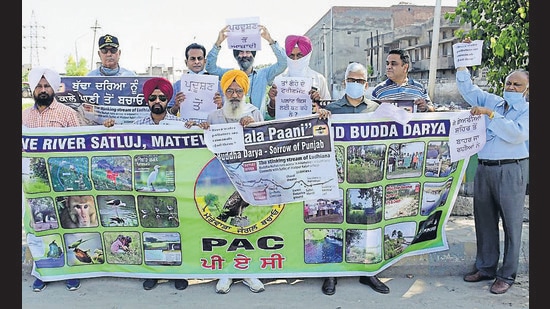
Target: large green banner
{"x": 154, "y": 202}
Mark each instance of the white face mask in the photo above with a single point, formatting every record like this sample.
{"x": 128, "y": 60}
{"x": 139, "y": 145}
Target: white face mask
{"x": 297, "y": 68}
{"x": 355, "y": 90}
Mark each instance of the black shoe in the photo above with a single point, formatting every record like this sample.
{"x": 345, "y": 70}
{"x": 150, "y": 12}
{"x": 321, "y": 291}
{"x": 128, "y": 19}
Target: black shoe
{"x": 150, "y": 284}
{"x": 181, "y": 284}
{"x": 375, "y": 284}
{"x": 329, "y": 286}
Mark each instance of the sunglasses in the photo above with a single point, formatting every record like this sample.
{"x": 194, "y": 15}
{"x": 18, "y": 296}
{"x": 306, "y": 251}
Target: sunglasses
{"x": 113, "y": 50}
{"x": 154, "y": 97}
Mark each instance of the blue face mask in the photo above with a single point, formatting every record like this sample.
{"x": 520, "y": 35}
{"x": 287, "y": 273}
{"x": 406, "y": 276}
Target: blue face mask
{"x": 355, "y": 90}
{"x": 513, "y": 98}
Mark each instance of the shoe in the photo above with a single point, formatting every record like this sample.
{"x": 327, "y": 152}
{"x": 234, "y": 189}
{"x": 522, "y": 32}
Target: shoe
{"x": 224, "y": 285}
{"x": 181, "y": 284}
{"x": 150, "y": 284}
{"x": 329, "y": 286}
{"x": 375, "y": 284}
{"x": 500, "y": 287}
{"x": 38, "y": 285}
{"x": 72, "y": 284}
{"x": 254, "y": 284}
{"x": 477, "y": 276}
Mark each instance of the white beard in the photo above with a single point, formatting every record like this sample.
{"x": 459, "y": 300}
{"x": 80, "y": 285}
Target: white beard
{"x": 234, "y": 110}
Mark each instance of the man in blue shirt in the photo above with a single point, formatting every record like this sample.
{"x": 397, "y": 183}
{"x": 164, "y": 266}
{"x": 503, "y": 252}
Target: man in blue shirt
{"x": 501, "y": 176}
{"x": 259, "y": 79}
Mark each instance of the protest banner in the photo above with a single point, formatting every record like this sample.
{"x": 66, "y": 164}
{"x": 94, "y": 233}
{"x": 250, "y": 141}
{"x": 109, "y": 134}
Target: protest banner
{"x": 154, "y": 202}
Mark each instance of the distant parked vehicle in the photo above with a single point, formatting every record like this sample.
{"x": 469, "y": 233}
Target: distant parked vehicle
{"x": 26, "y": 91}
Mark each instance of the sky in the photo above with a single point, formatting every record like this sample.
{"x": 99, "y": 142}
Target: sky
{"x": 160, "y": 30}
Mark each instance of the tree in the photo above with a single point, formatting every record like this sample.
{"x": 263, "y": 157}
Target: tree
{"x": 74, "y": 69}
{"x": 504, "y": 28}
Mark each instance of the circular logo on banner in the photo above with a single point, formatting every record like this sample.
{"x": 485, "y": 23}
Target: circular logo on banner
{"x": 220, "y": 204}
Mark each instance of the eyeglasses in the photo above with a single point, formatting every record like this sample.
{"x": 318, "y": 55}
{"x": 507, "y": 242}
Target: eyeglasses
{"x": 355, "y": 80}
{"x": 113, "y": 50}
{"x": 154, "y": 97}
{"x": 230, "y": 91}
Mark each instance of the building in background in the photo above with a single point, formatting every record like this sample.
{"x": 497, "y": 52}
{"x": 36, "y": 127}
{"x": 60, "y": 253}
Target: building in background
{"x": 367, "y": 34}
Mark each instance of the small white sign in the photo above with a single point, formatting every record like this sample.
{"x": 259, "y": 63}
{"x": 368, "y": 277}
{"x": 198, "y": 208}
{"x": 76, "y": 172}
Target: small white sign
{"x": 467, "y": 54}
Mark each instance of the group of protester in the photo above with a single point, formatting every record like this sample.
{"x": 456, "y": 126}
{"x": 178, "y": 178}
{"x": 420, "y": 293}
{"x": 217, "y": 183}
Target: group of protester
{"x": 248, "y": 95}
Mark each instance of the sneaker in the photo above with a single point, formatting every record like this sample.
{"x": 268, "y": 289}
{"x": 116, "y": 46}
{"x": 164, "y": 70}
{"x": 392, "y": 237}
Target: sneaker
{"x": 149, "y": 284}
{"x": 224, "y": 285}
{"x": 38, "y": 285}
{"x": 254, "y": 284}
{"x": 181, "y": 284}
{"x": 72, "y": 284}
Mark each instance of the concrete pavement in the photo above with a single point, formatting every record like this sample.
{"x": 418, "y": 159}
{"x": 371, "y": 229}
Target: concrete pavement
{"x": 423, "y": 281}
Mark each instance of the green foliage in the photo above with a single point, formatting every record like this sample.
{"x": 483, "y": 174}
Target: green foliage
{"x": 504, "y": 28}
{"x": 74, "y": 69}
{"x": 370, "y": 70}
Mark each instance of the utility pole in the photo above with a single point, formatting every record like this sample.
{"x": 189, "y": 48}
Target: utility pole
{"x": 434, "y": 52}
{"x": 94, "y": 28}
{"x": 33, "y": 39}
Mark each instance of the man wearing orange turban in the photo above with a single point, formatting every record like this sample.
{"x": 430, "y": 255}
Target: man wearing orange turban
{"x": 235, "y": 84}
{"x": 235, "y": 76}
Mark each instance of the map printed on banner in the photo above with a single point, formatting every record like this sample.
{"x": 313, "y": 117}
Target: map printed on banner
{"x": 160, "y": 204}
{"x": 282, "y": 164}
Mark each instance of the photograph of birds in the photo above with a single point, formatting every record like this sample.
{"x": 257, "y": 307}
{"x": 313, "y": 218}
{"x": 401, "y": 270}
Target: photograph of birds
{"x": 153, "y": 177}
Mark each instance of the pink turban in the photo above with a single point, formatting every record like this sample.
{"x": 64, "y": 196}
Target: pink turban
{"x": 302, "y": 42}
{"x": 160, "y": 83}
{"x": 235, "y": 75}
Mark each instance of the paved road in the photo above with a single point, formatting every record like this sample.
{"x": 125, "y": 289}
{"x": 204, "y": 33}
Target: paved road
{"x": 418, "y": 282}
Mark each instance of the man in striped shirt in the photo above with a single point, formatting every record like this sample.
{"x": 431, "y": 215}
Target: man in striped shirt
{"x": 399, "y": 86}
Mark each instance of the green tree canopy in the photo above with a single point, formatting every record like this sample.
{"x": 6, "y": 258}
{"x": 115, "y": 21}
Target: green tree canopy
{"x": 504, "y": 28}
{"x": 74, "y": 69}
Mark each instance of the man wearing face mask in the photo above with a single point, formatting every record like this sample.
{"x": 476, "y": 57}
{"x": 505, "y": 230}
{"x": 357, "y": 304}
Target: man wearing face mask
{"x": 298, "y": 51}
{"x": 353, "y": 102}
{"x": 501, "y": 175}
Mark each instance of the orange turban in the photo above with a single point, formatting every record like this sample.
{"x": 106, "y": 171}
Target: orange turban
{"x": 160, "y": 83}
{"x": 235, "y": 75}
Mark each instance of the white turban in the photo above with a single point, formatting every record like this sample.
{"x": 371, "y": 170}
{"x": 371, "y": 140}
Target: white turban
{"x": 53, "y": 78}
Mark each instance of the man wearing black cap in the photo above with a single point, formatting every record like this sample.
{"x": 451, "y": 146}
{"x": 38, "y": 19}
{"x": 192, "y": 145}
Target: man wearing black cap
{"x": 109, "y": 54}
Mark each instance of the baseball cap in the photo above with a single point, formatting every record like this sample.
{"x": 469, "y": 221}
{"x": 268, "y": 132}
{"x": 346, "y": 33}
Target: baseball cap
{"x": 108, "y": 40}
